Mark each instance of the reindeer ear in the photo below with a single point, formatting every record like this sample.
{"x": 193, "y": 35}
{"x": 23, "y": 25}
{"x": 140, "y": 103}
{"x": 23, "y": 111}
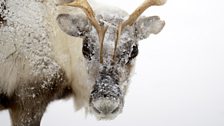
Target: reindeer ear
{"x": 148, "y": 25}
{"x": 74, "y": 25}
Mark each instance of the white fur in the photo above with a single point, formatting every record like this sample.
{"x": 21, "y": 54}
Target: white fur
{"x": 13, "y": 71}
{"x": 67, "y": 51}
{"x": 16, "y": 62}
{"x": 68, "y": 54}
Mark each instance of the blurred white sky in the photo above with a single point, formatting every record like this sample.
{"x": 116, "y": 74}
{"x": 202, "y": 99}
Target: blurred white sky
{"x": 179, "y": 78}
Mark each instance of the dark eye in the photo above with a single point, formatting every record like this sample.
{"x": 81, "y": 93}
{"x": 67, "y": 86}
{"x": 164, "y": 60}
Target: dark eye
{"x": 3, "y": 9}
{"x": 134, "y": 53}
{"x": 87, "y": 49}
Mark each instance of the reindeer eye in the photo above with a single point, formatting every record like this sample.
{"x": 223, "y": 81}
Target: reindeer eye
{"x": 87, "y": 49}
{"x": 134, "y": 53}
{"x": 2, "y": 10}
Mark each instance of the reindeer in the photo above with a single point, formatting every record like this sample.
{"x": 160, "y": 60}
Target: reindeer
{"x": 51, "y": 51}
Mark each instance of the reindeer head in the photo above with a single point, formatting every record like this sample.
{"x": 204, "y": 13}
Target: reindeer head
{"x": 110, "y": 46}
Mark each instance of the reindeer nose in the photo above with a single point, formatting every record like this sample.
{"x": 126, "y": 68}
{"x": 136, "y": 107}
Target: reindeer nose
{"x": 106, "y": 107}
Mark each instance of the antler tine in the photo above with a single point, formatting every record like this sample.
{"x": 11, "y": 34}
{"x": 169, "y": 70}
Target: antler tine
{"x": 146, "y": 4}
{"x": 134, "y": 16}
{"x": 85, "y": 6}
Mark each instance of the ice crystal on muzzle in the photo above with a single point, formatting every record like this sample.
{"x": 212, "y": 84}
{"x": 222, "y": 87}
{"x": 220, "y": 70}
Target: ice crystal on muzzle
{"x": 106, "y": 100}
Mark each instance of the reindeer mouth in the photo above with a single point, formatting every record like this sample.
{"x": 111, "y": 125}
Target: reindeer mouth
{"x": 105, "y": 109}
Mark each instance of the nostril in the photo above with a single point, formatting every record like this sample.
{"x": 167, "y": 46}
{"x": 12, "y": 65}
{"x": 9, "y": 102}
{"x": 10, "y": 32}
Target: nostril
{"x": 115, "y": 110}
{"x": 96, "y": 110}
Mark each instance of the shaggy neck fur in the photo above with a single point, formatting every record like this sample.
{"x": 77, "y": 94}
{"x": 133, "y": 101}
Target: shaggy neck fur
{"x": 33, "y": 21}
{"x": 67, "y": 52}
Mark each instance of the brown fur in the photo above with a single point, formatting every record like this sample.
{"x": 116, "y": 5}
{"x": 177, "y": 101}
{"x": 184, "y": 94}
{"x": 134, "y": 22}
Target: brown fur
{"x": 26, "y": 109}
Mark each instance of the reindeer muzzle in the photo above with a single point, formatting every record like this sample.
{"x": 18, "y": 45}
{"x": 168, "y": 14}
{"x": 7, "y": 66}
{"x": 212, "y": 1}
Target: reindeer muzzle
{"x": 106, "y": 99}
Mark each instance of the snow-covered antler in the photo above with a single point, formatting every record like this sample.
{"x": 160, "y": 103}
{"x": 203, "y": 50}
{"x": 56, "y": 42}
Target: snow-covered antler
{"x": 85, "y": 6}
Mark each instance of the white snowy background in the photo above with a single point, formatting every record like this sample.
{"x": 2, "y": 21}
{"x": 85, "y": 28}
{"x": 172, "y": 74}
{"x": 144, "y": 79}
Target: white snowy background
{"x": 179, "y": 78}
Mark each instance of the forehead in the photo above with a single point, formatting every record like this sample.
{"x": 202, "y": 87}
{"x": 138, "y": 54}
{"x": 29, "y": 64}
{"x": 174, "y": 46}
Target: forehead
{"x": 111, "y": 18}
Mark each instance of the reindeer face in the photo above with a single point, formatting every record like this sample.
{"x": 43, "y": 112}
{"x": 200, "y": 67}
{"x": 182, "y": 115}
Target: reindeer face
{"x": 110, "y": 63}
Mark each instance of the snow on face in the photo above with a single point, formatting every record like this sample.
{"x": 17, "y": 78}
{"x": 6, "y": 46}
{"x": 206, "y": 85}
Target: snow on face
{"x": 109, "y": 78}
{"x": 112, "y": 76}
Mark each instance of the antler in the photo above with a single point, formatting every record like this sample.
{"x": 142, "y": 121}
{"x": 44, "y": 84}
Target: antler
{"x": 146, "y": 4}
{"x": 134, "y": 16}
{"x": 85, "y": 6}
